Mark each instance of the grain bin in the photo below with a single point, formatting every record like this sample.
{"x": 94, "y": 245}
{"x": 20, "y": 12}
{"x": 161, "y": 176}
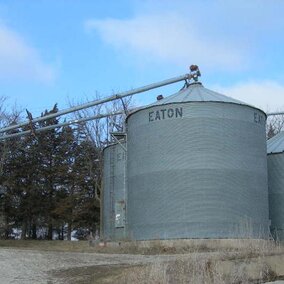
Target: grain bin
{"x": 275, "y": 159}
{"x": 197, "y": 168}
{"x": 114, "y": 192}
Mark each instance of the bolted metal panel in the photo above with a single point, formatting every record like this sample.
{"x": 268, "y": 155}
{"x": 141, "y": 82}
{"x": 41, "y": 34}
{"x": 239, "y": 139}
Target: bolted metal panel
{"x": 197, "y": 170}
{"x": 275, "y": 158}
{"x": 114, "y": 190}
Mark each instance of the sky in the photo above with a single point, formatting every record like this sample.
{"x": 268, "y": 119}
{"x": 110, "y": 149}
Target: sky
{"x": 70, "y": 51}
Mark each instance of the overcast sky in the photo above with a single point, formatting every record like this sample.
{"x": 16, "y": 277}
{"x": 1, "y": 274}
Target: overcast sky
{"x": 55, "y": 51}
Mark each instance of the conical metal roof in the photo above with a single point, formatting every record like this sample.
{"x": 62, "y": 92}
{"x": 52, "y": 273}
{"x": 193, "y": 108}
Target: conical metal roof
{"x": 276, "y": 144}
{"x": 195, "y": 92}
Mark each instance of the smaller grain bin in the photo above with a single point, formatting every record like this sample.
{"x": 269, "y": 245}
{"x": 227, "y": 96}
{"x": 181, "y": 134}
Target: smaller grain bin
{"x": 114, "y": 192}
{"x": 275, "y": 163}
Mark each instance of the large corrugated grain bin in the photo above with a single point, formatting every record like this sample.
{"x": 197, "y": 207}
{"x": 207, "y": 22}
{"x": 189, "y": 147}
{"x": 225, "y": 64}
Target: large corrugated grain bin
{"x": 197, "y": 168}
{"x": 275, "y": 158}
{"x": 114, "y": 193}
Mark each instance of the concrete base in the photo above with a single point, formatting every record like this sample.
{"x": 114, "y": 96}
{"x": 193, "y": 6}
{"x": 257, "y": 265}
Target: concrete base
{"x": 192, "y": 244}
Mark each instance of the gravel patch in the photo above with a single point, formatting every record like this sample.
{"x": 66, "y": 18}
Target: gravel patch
{"x": 34, "y": 267}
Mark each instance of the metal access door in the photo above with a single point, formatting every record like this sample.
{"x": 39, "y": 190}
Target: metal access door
{"x": 120, "y": 214}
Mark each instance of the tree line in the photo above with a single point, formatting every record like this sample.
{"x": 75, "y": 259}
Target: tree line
{"x": 50, "y": 182}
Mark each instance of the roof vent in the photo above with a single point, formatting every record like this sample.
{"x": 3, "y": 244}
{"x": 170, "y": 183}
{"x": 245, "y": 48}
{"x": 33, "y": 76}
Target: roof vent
{"x": 160, "y": 97}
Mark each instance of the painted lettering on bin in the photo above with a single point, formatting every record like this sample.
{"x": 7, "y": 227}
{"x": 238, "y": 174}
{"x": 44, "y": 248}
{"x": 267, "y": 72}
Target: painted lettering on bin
{"x": 166, "y": 113}
{"x": 258, "y": 118}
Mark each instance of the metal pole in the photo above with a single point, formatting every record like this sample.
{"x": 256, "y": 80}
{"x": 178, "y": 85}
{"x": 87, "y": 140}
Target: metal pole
{"x": 107, "y": 129}
{"x": 275, "y": 113}
{"x": 101, "y": 101}
{"x": 75, "y": 121}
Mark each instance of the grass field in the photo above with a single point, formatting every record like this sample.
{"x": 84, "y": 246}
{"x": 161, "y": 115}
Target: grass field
{"x": 80, "y": 246}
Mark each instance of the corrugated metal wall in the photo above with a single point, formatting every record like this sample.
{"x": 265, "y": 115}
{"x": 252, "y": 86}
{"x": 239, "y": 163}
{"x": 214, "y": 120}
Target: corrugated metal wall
{"x": 201, "y": 174}
{"x": 114, "y": 193}
{"x": 276, "y": 194}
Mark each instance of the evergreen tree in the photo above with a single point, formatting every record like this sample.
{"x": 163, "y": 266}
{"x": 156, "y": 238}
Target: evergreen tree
{"x": 50, "y": 180}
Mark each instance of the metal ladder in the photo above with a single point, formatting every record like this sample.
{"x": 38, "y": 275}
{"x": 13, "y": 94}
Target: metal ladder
{"x": 112, "y": 189}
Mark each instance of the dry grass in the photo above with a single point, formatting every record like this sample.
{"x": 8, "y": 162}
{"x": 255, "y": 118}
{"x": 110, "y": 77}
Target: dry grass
{"x": 241, "y": 266}
{"x": 199, "y": 270}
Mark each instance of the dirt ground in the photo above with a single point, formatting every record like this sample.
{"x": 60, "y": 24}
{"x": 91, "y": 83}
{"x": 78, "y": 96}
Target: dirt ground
{"x": 32, "y": 266}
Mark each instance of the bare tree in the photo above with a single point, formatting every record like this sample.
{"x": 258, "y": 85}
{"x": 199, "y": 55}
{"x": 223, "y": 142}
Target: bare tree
{"x": 274, "y": 125}
{"x": 7, "y": 118}
{"x": 98, "y": 131}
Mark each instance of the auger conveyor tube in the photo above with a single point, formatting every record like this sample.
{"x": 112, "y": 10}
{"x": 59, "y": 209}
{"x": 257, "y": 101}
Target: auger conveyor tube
{"x": 101, "y": 101}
